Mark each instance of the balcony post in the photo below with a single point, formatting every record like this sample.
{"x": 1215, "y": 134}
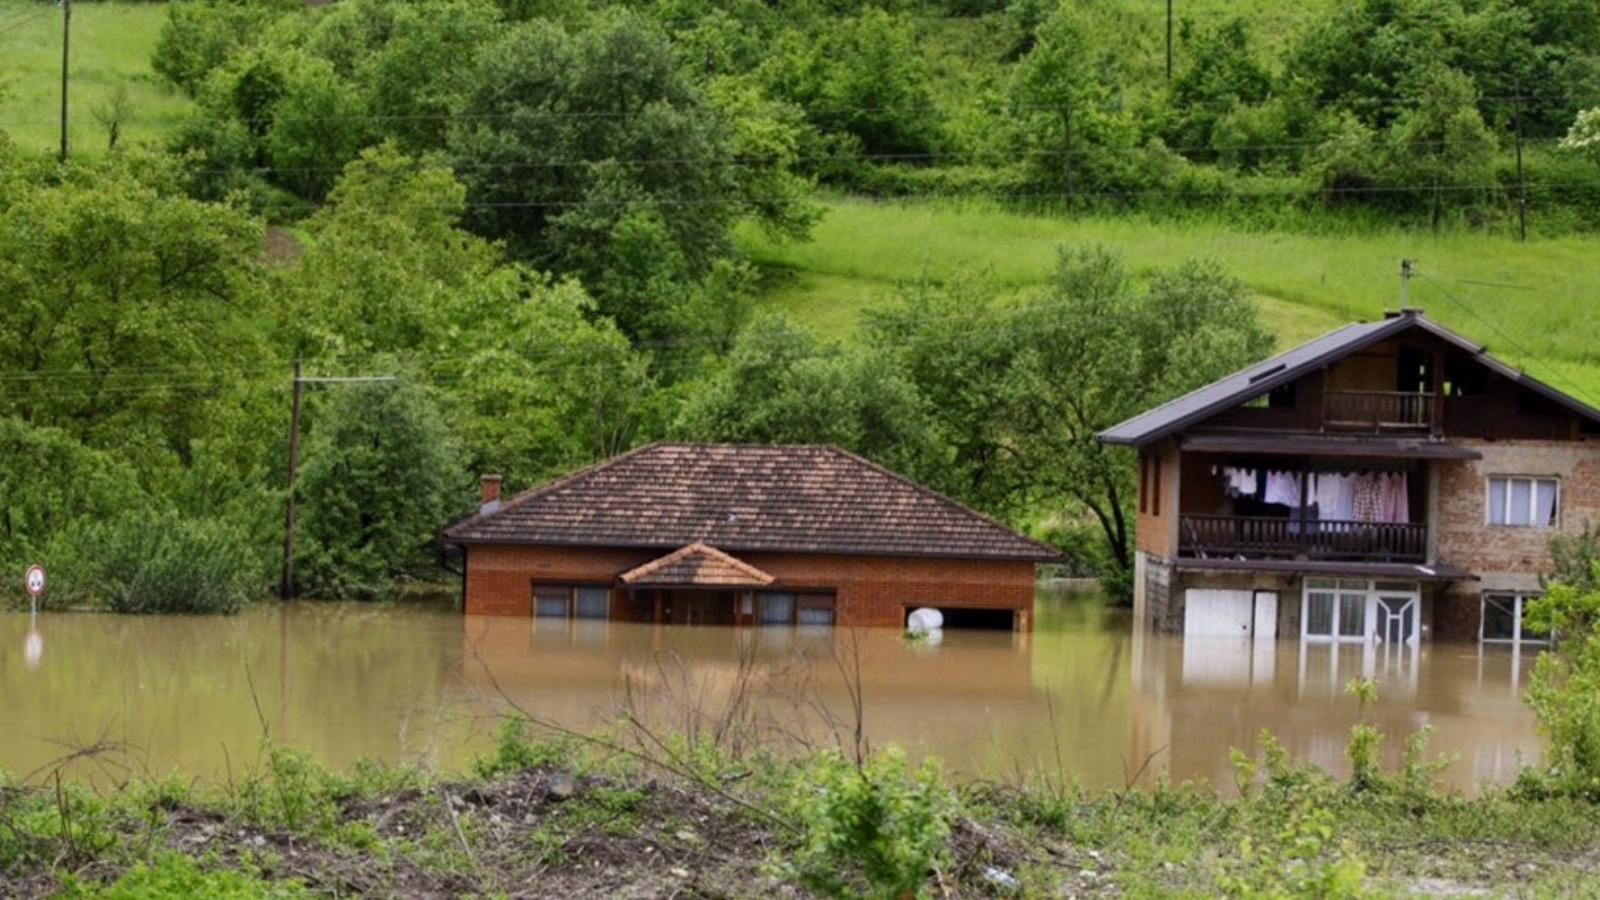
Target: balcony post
{"x": 1436, "y": 390}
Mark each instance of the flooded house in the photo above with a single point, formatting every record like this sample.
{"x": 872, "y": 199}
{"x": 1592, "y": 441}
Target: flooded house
{"x": 1388, "y": 481}
{"x": 741, "y": 534}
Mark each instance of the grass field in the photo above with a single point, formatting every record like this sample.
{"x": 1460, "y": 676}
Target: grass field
{"x": 111, "y": 45}
{"x": 1306, "y": 284}
{"x": 861, "y": 250}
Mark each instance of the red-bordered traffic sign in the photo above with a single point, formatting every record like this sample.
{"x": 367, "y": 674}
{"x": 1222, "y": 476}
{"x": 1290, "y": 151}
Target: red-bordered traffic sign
{"x": 35, "y": 580}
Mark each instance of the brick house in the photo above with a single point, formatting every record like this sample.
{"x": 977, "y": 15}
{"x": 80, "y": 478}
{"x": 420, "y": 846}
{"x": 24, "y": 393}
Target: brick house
{"x": 1383, "y": 483}
{"x": 742, "y": 534}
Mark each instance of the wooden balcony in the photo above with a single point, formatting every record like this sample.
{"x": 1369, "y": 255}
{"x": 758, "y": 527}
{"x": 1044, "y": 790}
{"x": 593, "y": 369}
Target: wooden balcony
{"x": 1259, "y": 537}
{"x": 1380, "y": 410}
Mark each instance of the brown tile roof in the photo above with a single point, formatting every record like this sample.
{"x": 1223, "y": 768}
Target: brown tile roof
{"x": 698, "y": 564}
{"x": 744, "y": 497}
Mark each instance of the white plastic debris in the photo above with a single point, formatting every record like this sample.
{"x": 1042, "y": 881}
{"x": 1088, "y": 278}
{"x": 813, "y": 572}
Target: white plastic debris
{"x": 924, "y": 619}
{"x": 1001, "y": 879}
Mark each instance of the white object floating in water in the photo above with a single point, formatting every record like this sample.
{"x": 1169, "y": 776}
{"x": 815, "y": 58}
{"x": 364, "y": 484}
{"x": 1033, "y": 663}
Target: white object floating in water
{"x": 924, "y": 619}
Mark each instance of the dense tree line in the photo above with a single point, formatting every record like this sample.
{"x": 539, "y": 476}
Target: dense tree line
{"x": 522, "y": 211}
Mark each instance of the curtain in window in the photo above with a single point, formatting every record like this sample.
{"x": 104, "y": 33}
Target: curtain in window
{"x": 1545, "y": 507}
{"x": 1521, "y": 511}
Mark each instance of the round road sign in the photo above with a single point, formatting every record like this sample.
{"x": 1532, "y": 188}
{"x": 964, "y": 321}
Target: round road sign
{"x": 35, "y": 580}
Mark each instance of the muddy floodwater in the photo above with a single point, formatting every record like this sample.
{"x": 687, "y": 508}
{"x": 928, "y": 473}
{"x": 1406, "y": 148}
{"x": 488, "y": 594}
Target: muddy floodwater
{"x": 1081, "y": 693}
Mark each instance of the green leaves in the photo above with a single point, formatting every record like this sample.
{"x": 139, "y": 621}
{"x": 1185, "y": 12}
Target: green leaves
{"x": 381, "y": 476}
{"x": 876, "y": 829}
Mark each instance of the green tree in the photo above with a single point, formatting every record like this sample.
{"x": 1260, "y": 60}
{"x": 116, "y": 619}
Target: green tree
{"x": 48, "y": 481}
{"x": 1565, "y": 691}
{"x": 1583, "y": 138}
{"x": 198, "y": 37}
{"x": 1061, "y": 94}
{"x": 1027, "y": 387}
{"x": 590, "y": 152}
{"x": 534, "y": 381}
{"x": 381, "y": 476}
{"x": 1221, "y": 72}
{"x": 1441, "y": 142}
{"x": 130, "y": 309}
{"x": 780, "y": 384}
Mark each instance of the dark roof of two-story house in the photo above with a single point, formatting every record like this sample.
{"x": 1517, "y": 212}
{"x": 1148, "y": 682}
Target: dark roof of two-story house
{"x": 1196, "y": 407}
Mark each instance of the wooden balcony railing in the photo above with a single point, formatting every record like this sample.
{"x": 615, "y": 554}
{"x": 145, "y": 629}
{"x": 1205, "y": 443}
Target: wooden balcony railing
{"x": 1379, "y": 410}
{"x": 1261, "y": 537}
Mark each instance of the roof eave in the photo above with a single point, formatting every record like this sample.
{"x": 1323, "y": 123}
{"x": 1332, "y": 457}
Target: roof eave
{"x": 1041, "y": 557}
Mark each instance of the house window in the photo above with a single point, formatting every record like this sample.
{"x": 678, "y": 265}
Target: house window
{"x": 593, "y": 602}
{"x": 559, "y": 601}
{"x": 1501, "y": 621}
{"x": 550, "y": 602}
{"x": 1524, "y": 502}
{"x": 814, "y": 609}
{"x": 777, "y": 609}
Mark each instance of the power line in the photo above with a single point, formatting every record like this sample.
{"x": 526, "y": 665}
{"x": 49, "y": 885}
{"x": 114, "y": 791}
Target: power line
{"x": 1506, "y": 336}
{"x": 1115, "y": 104}
{"x": 1000, "y": 197}
{"x": 929, "y": 156}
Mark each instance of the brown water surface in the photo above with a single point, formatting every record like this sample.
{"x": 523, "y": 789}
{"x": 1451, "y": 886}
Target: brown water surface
{"x": 417, "y": 684}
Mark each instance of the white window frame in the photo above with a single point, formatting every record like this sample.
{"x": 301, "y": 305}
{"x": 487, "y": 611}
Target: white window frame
{"x": 1370, "y": 592}
{"x": 1533, "y": 500}
{"x": 1519, "y": 603}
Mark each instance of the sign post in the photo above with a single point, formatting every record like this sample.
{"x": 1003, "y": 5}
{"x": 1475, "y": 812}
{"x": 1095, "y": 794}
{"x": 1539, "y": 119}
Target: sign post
{"x": 33, "y": 644}
{"x": 36, "y": 581}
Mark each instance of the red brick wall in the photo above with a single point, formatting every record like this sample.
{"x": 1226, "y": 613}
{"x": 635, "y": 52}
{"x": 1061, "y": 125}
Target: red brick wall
{"x": 868, "y": 590}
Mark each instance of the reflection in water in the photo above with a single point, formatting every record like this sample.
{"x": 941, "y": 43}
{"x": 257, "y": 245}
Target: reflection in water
{"x": 407, "y": 684}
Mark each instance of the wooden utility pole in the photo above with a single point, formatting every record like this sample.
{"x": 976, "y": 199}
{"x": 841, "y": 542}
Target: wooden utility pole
{"x": 66, "y": 37}
{"x": 1169, "y": 40}
{"x": 286, "y": 588}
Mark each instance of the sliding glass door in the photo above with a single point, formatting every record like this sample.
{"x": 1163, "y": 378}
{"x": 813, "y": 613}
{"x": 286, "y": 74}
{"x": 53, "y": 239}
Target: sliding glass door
{"x": 1353, "y": 610}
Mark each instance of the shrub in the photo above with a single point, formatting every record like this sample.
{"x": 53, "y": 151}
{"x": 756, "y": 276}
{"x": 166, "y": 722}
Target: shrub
{"x": 875, "y": 829}
{"x": 156, "y": 562}
{"x": 174, "y": 875}
{"x": 515, "y": 751}
{"x": 1298, "y": 859}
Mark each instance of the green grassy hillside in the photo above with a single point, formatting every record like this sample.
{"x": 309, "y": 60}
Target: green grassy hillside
{"x": 1307, "y": 284}
{"x": 111, "y": 45}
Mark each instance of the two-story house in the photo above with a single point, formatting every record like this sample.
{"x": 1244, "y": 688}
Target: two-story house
{"x": 1387, "y": 481}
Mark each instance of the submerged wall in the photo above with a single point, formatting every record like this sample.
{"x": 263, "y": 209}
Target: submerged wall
{"x": 868, "y": 590}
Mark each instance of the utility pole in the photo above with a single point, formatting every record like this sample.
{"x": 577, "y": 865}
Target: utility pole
{"x": 1169, "y": 40}
{"x": 1522, "y": 187}
{"x": 66, "y": 36}
{"x": 286, "y": 588}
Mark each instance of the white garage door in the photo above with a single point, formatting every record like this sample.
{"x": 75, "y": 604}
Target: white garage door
{"x": 1208, "y": 612}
